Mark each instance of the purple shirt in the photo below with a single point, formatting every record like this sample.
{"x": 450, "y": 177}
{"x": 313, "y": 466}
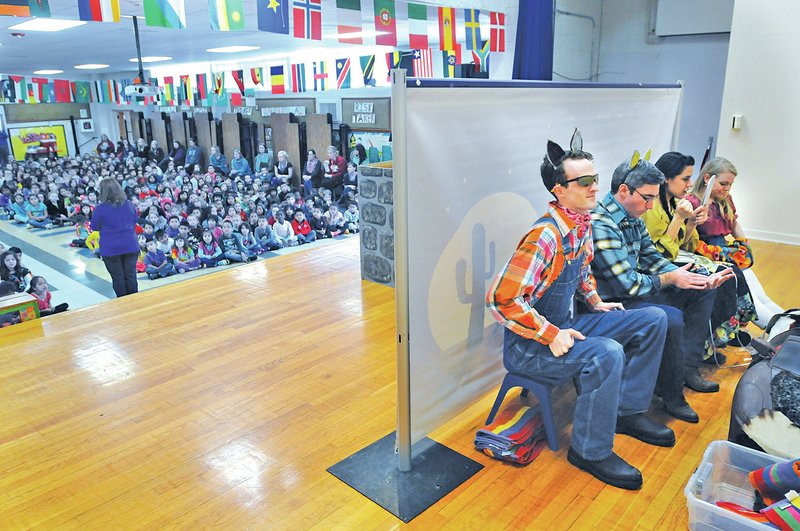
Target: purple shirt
{"x": 716, "y": 225}
{"x": 117, "y": 226}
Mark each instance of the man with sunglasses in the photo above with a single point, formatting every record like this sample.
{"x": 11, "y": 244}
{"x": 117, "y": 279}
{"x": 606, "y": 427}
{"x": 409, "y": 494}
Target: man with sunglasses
{"x": 630, "y": 270}
{"x": 612, "y": 355}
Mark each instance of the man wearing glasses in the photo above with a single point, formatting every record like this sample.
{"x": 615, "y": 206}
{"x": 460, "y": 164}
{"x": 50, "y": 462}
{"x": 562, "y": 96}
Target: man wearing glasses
{"x": 612, "y": 355}
{"x": 630, "y": 270}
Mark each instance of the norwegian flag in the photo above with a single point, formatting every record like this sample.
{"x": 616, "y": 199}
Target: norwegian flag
{"x": 307, "y": 17}
{"x": 422, "y": 62}
{"x": 497, "y": 32}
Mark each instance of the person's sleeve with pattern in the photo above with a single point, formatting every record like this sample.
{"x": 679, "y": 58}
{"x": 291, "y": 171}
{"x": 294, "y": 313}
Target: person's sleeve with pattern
{"x": 588, "y": 285}
{"x": 611, "y": 262}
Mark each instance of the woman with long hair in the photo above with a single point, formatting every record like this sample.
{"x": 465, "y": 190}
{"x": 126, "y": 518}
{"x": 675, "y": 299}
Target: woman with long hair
{"x": 723, "y": 235}
{"x": 115, "y": 219}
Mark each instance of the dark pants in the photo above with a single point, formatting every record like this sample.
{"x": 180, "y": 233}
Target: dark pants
{"x": 688, "y": 314}
{"x": 122, "y": 268}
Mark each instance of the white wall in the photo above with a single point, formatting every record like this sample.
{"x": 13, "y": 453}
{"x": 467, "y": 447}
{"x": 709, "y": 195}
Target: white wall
{"x": 628, "y": 56}
{"x": 576, "y": 46}
{"x": 761, "y": 84}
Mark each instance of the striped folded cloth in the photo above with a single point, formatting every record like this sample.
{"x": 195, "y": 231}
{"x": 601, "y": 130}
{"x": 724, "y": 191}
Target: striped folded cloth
{"x": 774, "y": 481}
{"x": 517, "y": 435}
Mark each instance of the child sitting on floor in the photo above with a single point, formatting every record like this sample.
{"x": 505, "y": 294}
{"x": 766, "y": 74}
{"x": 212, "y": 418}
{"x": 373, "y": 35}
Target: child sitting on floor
{"x": 351, "y": 218}
{"x": 265, "y": 236}
{"x": 82, "y": 231}
{"x": 39, "y": 289}
{"x": 156, "y": 263}
{"x": 183, "y": 256}
{"x": 209, "y": 252}
{"x": 283, "y": 230}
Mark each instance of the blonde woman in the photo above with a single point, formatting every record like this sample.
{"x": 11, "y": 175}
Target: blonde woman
{"x": 722, "y": 229}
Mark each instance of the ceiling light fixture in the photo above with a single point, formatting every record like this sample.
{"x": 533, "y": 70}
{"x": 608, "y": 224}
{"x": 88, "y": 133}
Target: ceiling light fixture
{"x": 150, "y": 59}
{"x": 47, "y": 72}
{"x": 233, "y": 49}
{"x": 90, "y": 66}
{"x": 47, "y": 24}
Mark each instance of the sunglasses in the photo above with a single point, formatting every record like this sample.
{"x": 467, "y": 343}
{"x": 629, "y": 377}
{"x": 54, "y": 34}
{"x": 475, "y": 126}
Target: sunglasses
{"x": 585, "y": 180}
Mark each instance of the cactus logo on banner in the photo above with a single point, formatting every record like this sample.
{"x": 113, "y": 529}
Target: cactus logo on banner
{"x": 471, "y": 259}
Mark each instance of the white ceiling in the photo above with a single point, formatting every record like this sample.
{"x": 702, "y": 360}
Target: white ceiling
{"x": 114, "y": 44}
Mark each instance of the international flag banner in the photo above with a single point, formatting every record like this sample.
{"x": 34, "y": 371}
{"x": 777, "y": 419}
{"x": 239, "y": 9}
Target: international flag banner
{"x": 257, "y": 75}
{"x": 273, "y": 16}
{"x": 15, "y": 8}
{"x": 343, "y": 73}
{"x": 6, "y": 90}
{"x": 472, "y": 23}
{"x": 497, "y": 32}
{"x": 98, "y": 10}
{"x": 226, "y": 15}
{"x": 481, "y": 57}
{"x": 348, "y": 21}
{"x": 62, "y": 92}
{"x": 122, "y": 84}
{"x": 200, "y": 88}
{"x": 158, "y": 99}
{"x": 219, "y": 83}
{"x": 165, "y": 13}
{"x": 39, "y": 8}
{"x": 422, "y": 61}
{"x": 447, "y": 28}
{"x": 450, "y": 60}
{"x": 277, "y": 79}
{"x": 299, "y": 77}
{"x": 418, "y": 26}
{"x": 20, "y": 88}
{"x": 368, "y": 69}
{"x": 38, "y": 89}
{"x": 186, "y": 90}
{"x": 320, "y": 76}
{"x": 169, "y": 96}
{"x": 307, "y": 18}
{"x": 399, "y": 60}
{"x": 385, "y": 23}
{"x": 81, "y": 92}
{"x": 238, "y": 78}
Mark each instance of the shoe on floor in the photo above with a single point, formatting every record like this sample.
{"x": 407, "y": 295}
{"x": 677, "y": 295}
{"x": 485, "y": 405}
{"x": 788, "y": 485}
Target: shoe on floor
{"x": 640, "y": 427}
{"x": 612, "y": 470}
{"x": 681, "y": 410}
{"x": 695, "y": 382}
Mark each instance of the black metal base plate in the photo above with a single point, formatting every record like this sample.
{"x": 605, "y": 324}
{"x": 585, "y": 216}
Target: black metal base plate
{"x": 436, "y": 470}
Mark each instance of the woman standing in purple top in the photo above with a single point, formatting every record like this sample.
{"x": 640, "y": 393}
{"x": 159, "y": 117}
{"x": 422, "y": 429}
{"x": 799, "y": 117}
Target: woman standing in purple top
{"x": 115, "y": 219}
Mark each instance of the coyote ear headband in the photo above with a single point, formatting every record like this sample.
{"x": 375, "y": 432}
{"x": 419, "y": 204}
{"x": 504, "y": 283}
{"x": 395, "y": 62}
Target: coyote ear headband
{"x": 556, "y": 154}
{"x": 636, "y": 158}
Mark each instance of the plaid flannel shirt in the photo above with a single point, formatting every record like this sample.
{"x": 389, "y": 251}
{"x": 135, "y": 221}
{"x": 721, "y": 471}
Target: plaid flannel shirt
{"x": 534, "y": 266}
{"x": 627, "y": 262}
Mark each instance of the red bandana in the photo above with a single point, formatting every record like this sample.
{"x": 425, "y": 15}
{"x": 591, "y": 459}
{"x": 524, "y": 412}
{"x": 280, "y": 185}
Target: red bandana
{"x": 581, "y": 220}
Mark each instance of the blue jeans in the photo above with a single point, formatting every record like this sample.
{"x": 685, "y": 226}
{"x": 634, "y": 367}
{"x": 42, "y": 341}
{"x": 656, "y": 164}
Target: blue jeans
{"x": 614, "y": 370}
{"x": 688, "y": 313}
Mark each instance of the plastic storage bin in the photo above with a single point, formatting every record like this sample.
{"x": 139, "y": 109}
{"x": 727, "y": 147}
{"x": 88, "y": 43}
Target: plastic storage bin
{"x": 723, "y": 476}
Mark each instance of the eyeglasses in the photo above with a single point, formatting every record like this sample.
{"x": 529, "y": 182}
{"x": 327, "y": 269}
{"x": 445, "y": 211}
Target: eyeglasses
{"x": 585, "y": 180}
{"x": 647, "y": 198}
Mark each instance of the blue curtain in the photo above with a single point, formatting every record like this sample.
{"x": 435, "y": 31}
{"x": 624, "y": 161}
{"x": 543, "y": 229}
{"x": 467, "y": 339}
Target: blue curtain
{"x": 533, "y": 53}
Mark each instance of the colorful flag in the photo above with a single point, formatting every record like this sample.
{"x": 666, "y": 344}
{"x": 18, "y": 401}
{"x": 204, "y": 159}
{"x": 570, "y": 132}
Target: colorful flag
{"x": 299, "y": 77}
{"x": 169, "y": 96}
{"x": 36, "y": 90}
{"x": 277, "y": 79}
{"x": 6, "y": 90}
{"x": 15, "y": 8}
{"x": 20, "y": 88}
{"x": 385, "y": 23}
{"x": 418, "y": 26}
{"x": 200, "y": 95}
{"x": 320, "y": 76}
{"x": 399, "y": 60}
{"x": 98, "y": 10}
{"x": 497, "y": 31}
{"x": 273, "y": 16}
{"x": 481, "y": 57}
{"x": 307, "y": 17}
{"x": 368, "y": 69}
{"x": 422, "y": 61}
{"x": 257, "y": 75}
{"x": 236, "y": 100}
{"x": 348, "y": 20}
{"x": 186, "y": 90}
{"x": 343, "y": 73}
{"x": 226, "y": 15}
{"x": 39, "y": 8}
{"x": 82, "y": 92}
{"x": 450, "y": 60}
{"x": 219, "y": 83}
{"x": 238, "y": 77}
{"x": 472, "y": 23}
{"x": 165, "y": 13}
{"x": 447, "y": 28}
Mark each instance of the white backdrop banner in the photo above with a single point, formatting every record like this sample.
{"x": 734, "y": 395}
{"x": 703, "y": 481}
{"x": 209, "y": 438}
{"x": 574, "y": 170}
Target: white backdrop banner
{"x": 473, "y": 156}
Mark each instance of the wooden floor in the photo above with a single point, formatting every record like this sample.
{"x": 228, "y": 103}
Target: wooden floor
{"x": 219, "y": 402}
